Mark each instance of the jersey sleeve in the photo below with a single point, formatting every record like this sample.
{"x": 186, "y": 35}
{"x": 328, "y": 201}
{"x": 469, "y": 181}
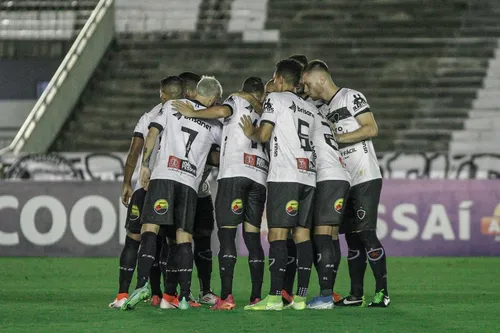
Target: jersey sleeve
{"x": 141, "y": 128}
{"x": 160, "y": 121}
{"x": 269, "y": 110}
{"x": 230, "y": 102}
{"x": 357, "y": 103}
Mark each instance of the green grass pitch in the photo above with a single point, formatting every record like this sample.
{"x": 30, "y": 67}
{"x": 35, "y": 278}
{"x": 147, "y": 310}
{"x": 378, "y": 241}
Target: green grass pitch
{"x": 72, "y": 295}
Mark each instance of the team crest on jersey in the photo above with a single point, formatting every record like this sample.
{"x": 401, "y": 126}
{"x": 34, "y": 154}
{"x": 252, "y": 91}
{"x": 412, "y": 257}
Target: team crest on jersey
{"x": 358, "y": 102}
{"x": 293, "y": 107}
{"x": 135, "y": 213}
{"x": 292, "y": 207}
{"x": 161, "y": 207}
{"x": 361, "y": 213}
{"x": 339, "y": 203}
{"x": 268, "y": 106}
{"x": 237, "y": 206}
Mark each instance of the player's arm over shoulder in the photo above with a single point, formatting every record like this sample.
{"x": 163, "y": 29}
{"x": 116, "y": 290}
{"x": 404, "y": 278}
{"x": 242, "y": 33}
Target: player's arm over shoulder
{"x": 268, "y": 119}
{"x": 360, "y": 109}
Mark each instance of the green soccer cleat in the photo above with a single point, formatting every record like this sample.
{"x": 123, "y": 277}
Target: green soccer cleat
{"x": 138, "y": 295}
{"x": 380, "y": 300}
{"x": 270, "y": 303}
{"x": 299, "y": 303}
{"x": 184, "y": 304}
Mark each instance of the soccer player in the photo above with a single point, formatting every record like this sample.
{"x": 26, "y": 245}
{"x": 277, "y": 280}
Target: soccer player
{"x": 332, "y": 186}
{"x": 241, "y": 193}
{"x": 173, "y": 190}
{"x": 354, "y": 125}
{"x": 134, "y": 200}
{"x": 287, "y": 121}
{"x": 300, "y": 88}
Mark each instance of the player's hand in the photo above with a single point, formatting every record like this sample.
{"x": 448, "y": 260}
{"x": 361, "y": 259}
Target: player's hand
{"x": 254, "y": 102}
{"x": 184, "y": 108}
{"x": 126, "y": 194}
{"x": 247, "y": 126}
{"x": 145, "y": 175}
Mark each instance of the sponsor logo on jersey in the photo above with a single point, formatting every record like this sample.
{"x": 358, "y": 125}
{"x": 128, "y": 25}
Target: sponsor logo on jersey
{"x": 339, "y": 203}
{"x": 161, "y": 207}
{"x": 361, "y": 213}
{"x": 182, "y": 165}
{"x": 134, "y": 213}
{"x": 237, "y": 206}
{"x": 347, "y": 151}
{"x": 292, "y": 207}
{"x": 490, "y": 225}
{"x": 358, "y": 102}
{"x": 303, "y": 164}
{"x": 296, "y": 108}
{"x": 256, "y": 162}
{"x": 268, "y": 106}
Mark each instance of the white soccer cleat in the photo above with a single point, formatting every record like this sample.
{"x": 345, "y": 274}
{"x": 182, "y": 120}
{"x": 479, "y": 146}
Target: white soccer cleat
{"x": 209, "y": 298}
{"x": 117, "y": 303}
{"x": 169, "y": 302}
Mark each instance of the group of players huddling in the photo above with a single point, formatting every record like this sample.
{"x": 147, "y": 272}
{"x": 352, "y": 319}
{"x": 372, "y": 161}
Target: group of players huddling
{"x": 301, "y": 139}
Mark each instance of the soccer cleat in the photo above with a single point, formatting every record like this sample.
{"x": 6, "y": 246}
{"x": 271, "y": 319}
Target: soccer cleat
{"x": 380, "y": 300}
{"x": 119, "y": 300}
{"x": 287, "y": 298}
{"x": 352, "y": 301}
{"x": 136, "y": 297}
{"x": 226, "y": 304}
{"x": 184, "y": 304}
{"x": 321, "y": 303}
{"x": 169, "y": 302}
{"x": 336, "y": 297}
{"x": 193, "y": 302}
{"x": 155, "y": 300}
{"x": 208, "y": 299}
{"x": 298, "y": 303}
{"x": 270, "y": 303}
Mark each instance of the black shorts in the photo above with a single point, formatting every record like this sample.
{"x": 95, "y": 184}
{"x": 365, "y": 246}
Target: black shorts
{"x": 362, "y": 207}
{"x": 289, "y": 205}
{"x": 329, "y": 202}
{"x": 170, "y": 203}
{"x": 239, "y": 199}
{"x": 204, "y": 219}
{"x": 133, "y": 222}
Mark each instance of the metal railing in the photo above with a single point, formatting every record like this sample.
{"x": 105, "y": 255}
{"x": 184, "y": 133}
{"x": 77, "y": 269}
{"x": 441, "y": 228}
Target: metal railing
{"x": 57, "y": 101}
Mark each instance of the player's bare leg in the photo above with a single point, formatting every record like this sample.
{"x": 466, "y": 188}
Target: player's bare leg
{"x": 147, "y": 252}
{"x": 251, "y": 236}
{"x": 128, "y": 262}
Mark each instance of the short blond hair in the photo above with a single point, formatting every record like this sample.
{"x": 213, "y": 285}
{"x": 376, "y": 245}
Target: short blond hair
{"x": 209, "y": 86}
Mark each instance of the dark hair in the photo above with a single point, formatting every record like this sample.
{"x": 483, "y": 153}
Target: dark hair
{"x": 172, "y": 82}
{"x": 300, "y": 58}
{"x": 290, "y": 70}
{"x": 190, "y": 80}
{"x": 316, "y": 64}
{"x": 253, "y": 85}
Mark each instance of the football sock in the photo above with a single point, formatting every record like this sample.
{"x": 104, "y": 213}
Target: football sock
{"x": 255, "y": 262}
{"x": 128, "y": 261}
{"x": 324, "y": 263}
{"x": 155, "y": 274}
{"x": 277, "y": 265}
{"x": 304, "y": 264}
{"x": 336, "y": 259}
{"x": 146, "y": 257}
{"x": 227, "y": 259}
{"x": 291, "y": 265}
{"x": 163, "y": 260}
{"x": 185, "y": 252}
{"x": 203, "y": 261}
{"x": 356, "y": 260}
{"x": 172, "y": 276}
{"x": 376, "y": 257}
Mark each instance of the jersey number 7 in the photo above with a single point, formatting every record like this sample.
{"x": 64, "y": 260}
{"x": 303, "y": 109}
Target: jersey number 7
{"x": 192, "y": 135}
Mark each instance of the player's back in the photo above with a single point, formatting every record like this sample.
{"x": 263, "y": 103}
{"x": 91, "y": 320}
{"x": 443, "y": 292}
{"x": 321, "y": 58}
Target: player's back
{"x": 291, "y": 152}
{"x": 185, "y": 145}
{"x": 241, "y": 157}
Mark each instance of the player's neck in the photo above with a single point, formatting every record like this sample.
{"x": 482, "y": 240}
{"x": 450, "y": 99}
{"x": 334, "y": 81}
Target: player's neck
{"x": 330, "y": 92}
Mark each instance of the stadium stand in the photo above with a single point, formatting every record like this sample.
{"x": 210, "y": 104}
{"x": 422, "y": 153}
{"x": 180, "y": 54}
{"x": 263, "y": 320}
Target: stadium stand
{"x": 419, "y": 63}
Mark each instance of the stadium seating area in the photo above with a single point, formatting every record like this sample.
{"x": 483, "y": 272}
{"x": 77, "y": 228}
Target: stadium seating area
{"x": 420, "y": 63}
